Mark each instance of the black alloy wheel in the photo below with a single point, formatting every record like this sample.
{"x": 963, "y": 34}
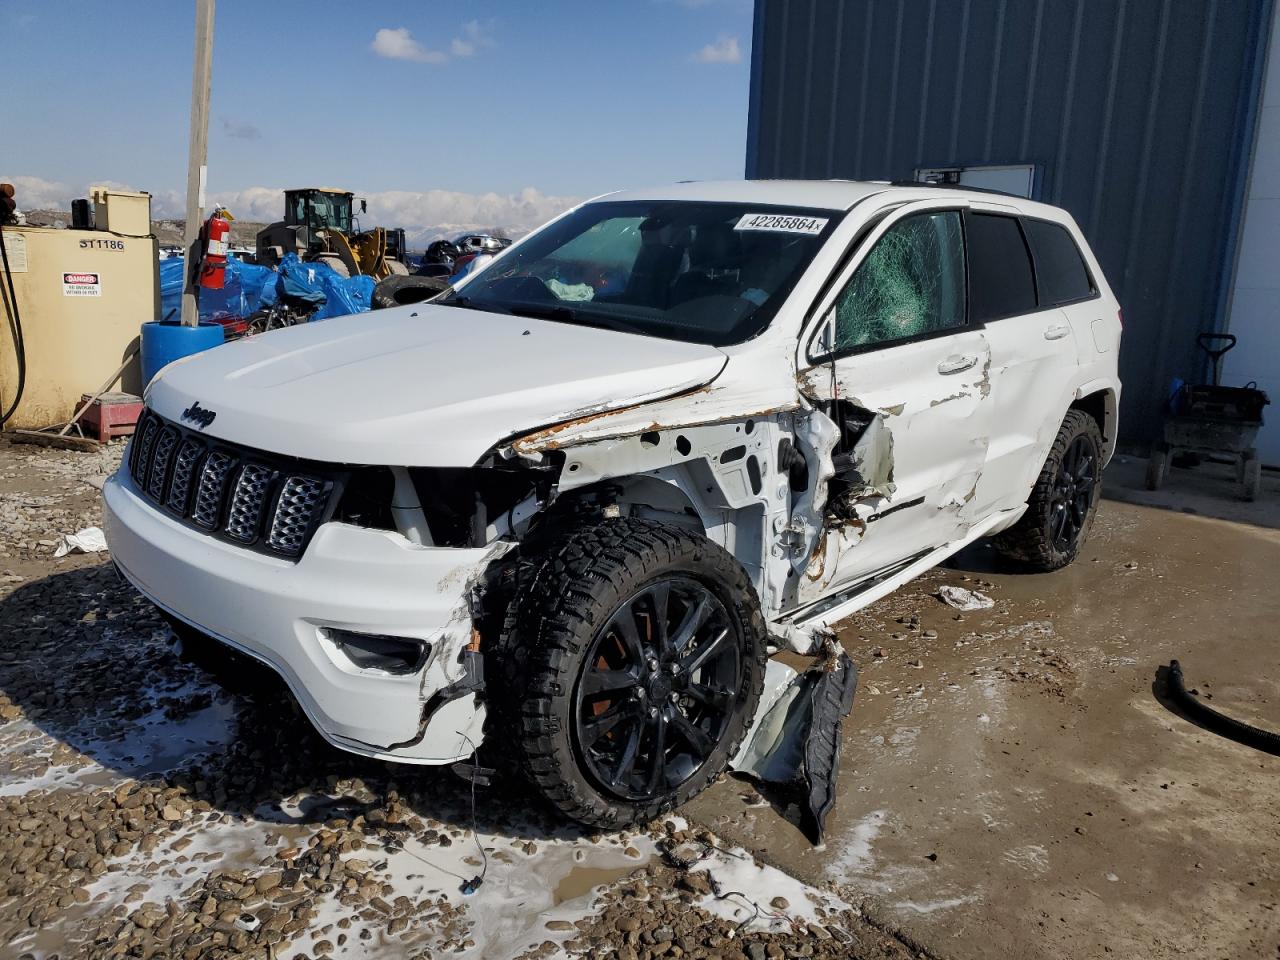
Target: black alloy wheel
{"x": 655, "y": 695}
{"x": 1073, "y": 492}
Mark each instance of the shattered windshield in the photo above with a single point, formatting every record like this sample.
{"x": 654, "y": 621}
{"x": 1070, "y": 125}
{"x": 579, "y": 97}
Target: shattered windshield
{"x": 712, "y": 273}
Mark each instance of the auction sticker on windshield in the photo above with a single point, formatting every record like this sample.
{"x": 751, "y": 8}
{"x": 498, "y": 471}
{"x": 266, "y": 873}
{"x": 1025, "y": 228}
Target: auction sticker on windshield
{"x": 781, "y": 222}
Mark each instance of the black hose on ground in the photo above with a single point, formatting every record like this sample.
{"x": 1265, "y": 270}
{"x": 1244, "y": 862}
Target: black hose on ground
{"x": 1221, "y": 724}
{"x": 19, "y": 343}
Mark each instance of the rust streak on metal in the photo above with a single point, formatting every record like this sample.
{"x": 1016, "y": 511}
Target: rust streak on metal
{"x": 548, "y": 437}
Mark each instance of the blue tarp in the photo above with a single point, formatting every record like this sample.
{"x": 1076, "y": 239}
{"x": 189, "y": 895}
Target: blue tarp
{"x": 246, "y": 287}
{"x": 317, "y": 283}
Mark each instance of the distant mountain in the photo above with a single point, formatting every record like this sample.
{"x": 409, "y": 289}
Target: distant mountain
{"x": 167, "y": 231}
{"x": 245, "y": 232}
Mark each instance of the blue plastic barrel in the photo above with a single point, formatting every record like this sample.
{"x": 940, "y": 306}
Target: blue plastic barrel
{"x": 164, "y": 342}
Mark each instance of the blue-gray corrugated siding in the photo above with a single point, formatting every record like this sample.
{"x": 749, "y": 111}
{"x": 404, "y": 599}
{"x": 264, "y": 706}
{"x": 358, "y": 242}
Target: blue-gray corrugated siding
{"x": 1139, "y": 112}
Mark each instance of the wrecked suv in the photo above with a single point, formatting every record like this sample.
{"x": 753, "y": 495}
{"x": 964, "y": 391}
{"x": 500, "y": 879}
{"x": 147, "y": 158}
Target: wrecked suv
{"x": 569, "y": 509}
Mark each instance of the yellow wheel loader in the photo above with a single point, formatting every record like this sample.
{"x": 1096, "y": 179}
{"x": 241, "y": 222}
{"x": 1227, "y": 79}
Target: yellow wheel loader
{"x": 317, "y": 226}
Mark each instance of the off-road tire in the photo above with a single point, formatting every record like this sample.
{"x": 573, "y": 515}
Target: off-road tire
{"x": 566, "y": 595}
{"x": 399, "y": 291}
{"x": 1029, "y": 541}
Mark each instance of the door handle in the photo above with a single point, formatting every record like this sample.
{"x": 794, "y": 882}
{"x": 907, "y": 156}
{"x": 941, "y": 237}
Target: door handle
{"x": 957, "y": 363}
{"x": 1057, "y": 331}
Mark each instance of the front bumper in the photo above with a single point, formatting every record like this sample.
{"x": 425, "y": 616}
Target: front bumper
{"x": 352, "y": 578}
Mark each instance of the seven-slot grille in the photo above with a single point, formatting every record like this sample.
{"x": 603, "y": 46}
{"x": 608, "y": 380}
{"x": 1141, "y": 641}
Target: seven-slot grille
{"x": 246, "y": 496}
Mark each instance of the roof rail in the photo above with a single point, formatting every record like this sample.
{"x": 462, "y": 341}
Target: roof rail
{"x": 954, "y": 186}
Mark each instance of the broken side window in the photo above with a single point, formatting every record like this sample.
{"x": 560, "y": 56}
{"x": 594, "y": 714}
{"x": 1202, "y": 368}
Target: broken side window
{"x": 911, "y": 283}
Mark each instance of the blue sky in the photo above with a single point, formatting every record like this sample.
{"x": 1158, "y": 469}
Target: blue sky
{"x": 533, "y": 102}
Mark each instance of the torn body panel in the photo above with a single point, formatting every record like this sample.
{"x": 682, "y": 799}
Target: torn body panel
{"x": 921, "y": 447}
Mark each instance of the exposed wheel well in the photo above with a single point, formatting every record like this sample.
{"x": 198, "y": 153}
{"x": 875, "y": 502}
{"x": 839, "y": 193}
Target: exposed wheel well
{"x": 1101, "y": 406}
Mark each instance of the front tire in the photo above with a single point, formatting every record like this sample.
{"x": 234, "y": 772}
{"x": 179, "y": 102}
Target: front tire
{"x": 632, "y": 665}
{"x": 1063, "y": 501}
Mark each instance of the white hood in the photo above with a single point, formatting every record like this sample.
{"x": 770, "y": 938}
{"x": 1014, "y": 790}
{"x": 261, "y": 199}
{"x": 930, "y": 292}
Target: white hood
{"x": 422, "y": 385}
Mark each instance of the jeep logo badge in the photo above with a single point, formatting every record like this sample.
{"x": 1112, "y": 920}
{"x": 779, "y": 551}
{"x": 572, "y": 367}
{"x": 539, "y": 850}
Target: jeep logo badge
{"x": 198, "y": 415}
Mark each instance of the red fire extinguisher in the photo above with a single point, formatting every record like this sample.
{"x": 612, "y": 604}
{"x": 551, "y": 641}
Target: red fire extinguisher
{"x": 213, "y": 264}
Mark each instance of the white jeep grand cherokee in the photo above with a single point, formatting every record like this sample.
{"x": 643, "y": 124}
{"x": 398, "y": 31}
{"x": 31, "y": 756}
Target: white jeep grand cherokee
{"x": 574, "y": 502}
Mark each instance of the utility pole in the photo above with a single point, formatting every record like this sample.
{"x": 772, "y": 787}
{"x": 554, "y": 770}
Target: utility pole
{"x": 197, "y": 159}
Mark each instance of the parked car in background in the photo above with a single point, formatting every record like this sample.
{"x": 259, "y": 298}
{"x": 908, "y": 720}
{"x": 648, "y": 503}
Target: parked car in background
{"x": 568, "y": 509}
{"x": 439, "y": 259}
{"x": 477, "y": 245}
{"x": 482, "y": 243}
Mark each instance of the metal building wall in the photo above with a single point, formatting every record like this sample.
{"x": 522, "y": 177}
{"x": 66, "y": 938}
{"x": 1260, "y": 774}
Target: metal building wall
{"x": 1137, "y": 112}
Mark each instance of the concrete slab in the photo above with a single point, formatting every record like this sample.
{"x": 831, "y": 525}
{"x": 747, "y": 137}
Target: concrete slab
{"x": 1208, "y": 490}
{"x": 1013, "y": 787}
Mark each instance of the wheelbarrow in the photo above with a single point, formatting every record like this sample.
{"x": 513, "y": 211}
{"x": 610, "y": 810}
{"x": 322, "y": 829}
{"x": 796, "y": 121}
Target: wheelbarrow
{"x": 1211, "y": 420}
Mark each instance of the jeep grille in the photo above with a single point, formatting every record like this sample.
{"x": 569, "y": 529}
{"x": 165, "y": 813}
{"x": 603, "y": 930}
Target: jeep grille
{"x": 271, "y": 503}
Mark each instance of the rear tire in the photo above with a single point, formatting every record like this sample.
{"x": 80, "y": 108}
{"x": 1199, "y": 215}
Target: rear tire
{"x": 1063, "y": 501}
{"x": 618, "y": 710}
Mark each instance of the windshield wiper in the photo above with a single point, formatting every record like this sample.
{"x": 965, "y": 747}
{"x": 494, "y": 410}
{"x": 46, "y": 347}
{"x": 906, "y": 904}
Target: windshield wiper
{"x": 468, "y": 303}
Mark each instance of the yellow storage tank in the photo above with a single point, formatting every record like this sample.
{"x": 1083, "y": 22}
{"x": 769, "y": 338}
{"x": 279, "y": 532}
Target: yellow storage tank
{"x": 82, "y": 296}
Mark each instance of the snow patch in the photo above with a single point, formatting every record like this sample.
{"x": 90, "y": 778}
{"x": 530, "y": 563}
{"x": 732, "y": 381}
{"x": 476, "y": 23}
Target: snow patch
{"x": 855, "y": 846}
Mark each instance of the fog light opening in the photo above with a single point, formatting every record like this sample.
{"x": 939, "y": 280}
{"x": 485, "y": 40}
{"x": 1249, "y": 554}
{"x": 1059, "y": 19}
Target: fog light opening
{"x": 373, "y": 651}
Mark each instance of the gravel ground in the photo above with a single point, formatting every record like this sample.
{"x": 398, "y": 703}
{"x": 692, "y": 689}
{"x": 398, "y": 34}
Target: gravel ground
{"x": 145, "y": 813}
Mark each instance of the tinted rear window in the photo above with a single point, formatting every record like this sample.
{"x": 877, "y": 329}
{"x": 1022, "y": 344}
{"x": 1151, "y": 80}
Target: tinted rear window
{"x": 1060, "y": 270}
{"x": 1000, "y": 278}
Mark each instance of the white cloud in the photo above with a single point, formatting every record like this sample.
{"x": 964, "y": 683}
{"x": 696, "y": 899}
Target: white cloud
{"x": 724, "y": 50}
{"x": 240, "y": 129}
{"x": 474, "y": 35}
{"x": 424, "y": 215}
{"x": 37, "y": 193}
{"x": 398, "y": 44}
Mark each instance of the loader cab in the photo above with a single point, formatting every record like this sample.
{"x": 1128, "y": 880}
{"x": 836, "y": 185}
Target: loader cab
{"x": 318, "y": 208}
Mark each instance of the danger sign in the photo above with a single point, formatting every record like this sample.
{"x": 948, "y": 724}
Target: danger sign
{"x": 81, "y": 285}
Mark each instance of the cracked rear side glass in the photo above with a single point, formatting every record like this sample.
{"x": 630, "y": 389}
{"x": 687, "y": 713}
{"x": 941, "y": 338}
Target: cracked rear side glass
{"x": 713, "y": 273}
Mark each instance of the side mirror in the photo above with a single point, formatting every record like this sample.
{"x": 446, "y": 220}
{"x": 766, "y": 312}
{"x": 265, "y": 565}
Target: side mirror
{"x": 364, "y": 207}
